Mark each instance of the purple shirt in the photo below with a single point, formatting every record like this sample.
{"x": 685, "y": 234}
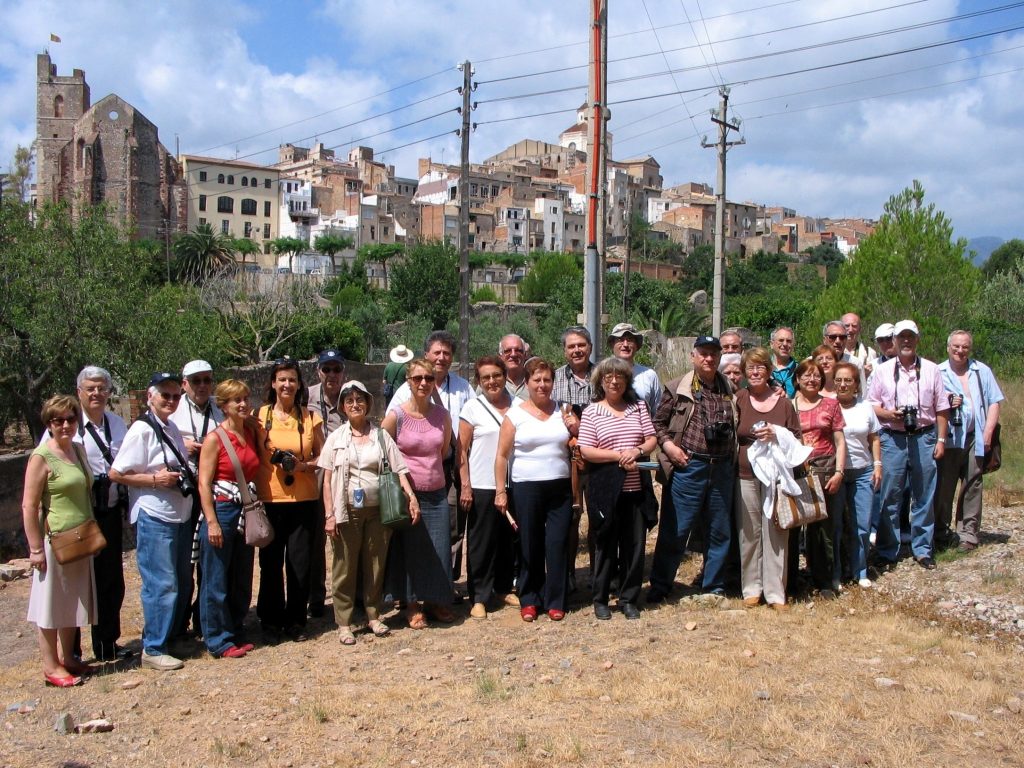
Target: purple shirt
{"x": 922, "y": 387}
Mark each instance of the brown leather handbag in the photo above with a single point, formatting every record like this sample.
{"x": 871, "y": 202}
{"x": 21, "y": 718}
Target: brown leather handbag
{"x": 80, "y": 542}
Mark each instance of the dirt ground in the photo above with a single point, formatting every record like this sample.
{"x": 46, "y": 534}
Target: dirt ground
{"x": 909, "y": 672}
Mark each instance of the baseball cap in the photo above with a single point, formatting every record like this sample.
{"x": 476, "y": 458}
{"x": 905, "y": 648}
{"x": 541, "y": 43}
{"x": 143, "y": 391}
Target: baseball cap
{"x": 707, "y": 341}
{"x": 330, "y": 356}
{"x": 885, "y": 331}
{"x": 159, "y": 378}
{"x": 905, "y": 325}
{"x": 196, "y": 366}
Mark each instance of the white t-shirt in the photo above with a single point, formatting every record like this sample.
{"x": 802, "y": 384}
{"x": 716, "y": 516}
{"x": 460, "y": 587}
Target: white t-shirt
{"x": 453, "y": 393}
{"x": 486, "y": 423}
{"x": 860, "y": 422}
{"x": 141, "y": 453}
{"x": 191, "y": 420}
{"x": 647, "y": 386}
{"x": 112, "y": 422}
{"x": 541, "y": 448}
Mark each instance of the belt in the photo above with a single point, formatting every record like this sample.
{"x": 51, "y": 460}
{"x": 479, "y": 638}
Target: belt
{"x": 918, "y": 431}
{"x": 710, "y": 459}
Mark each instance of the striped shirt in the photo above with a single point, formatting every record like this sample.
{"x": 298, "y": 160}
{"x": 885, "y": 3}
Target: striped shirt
{"x": 599, "y": 428}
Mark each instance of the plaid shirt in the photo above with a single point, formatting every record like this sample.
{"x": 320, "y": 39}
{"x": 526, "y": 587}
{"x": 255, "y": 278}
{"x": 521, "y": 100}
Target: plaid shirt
{"x": 710, "y": 407}
{"x": 569, "y": 389}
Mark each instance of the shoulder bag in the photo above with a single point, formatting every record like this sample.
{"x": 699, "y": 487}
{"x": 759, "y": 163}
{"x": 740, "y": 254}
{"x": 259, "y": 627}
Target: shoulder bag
{"x": 994, "y": 455}
{"x": 809, "y": 507}
{"x": 82, "y": 541}
{"x": 394, "y": 507}
{"x": 255, "y": 524}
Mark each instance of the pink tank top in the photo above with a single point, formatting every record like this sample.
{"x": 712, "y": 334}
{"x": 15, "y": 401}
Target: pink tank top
{"x": 420, "y": 441}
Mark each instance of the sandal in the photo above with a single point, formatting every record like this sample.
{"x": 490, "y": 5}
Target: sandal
{"x": 346, "y": 637}
{"x": 439, "y": 612}
{"x": 379, "y": 628}
{"x": 414, "y": 616}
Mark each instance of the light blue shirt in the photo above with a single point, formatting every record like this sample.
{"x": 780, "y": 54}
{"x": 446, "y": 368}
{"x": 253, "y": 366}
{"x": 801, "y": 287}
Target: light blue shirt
{"x": 984, "y": 392}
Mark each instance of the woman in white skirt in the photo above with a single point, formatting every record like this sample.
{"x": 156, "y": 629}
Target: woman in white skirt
{"x": 63, "y": 597}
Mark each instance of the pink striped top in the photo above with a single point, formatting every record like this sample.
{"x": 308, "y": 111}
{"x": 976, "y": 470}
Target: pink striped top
{"x": 600, "y": 429}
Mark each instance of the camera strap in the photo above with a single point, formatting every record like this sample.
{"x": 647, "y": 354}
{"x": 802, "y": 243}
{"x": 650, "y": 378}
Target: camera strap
{"x": 104, "y": 448}
{"x": 896, "y": 381}
{"x": 207, "y": 413}
{"x": 268, "y": 422}
{"x": 164, "y": 439}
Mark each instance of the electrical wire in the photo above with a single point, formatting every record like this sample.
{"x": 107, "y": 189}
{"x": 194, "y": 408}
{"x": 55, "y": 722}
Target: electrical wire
{"x": 657, "y": 39}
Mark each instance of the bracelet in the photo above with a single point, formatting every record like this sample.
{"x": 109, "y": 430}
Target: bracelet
{"x": 877, "y": 463}
{"x": 154, "y": 481}
{"x": 35, "y": 551}
{"x": 941, "y": 440}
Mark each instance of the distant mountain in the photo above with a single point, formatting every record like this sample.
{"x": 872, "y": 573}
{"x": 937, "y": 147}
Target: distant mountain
{"x": 983, "y": 246}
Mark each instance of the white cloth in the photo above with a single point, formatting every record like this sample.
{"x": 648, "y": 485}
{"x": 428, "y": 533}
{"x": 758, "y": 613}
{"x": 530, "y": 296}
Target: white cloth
{"x": 541, "y": 448}
{"x": 647, "y": 386}
{"x": 773, "y": 462}
{"x": 141, "y": 454}
{"x": 486, "y": 424}
{"x": 453, "y": 393}
{"x": 190, "y": 419}
{"x": 861, "y": 421}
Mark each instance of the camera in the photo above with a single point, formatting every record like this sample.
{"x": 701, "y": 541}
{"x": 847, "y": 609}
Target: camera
{"x": 910, "y": 418}
{"x": 101, "y": 492}
{"x": 285, "y": 459}
{"x": 717, "y": 432}
{"x": 185, "y": 484}
{"x": 956, "y": 417}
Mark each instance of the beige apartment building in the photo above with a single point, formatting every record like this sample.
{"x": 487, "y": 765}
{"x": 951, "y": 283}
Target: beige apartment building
{"x": 235, "y": 198}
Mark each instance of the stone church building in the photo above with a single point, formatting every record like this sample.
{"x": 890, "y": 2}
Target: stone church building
{"x": 107, "y": 152}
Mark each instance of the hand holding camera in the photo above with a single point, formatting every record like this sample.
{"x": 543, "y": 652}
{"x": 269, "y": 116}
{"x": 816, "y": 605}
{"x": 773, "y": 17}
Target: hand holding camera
{"x": 287, "y": 461}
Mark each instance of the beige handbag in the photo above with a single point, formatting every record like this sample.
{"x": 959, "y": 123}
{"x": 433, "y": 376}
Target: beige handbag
{"x": 809, "y": 507}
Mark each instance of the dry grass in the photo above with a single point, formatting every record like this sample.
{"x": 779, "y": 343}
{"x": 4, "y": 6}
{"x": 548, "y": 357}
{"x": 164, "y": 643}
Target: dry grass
{"x": 742, "y": 688}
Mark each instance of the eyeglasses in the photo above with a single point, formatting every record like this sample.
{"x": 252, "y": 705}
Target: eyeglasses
{"x": 64, "y": 420}
{"x": 756, "y": 368}
{"x": 517, "y": 350}
{"x": 197, "y": 381}
{"x": 492, "y": 377}
{"x": 837, "y": 336}
{"x": 98, "y": 389}
{"x": 169, "y": 397}
{"x": 608, "y": 378}
{"x": 332, "y": 369}
{"x": 419, "y": 379}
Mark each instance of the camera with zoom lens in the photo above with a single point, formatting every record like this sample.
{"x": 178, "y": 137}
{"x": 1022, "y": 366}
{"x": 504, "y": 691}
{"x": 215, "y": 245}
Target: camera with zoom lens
{"x": 718, "y": 432}
{"x": 285, "y": 459}
{"x": 185, "y": 484}
{"x": 910, "y": 418}
{"x": 101, "y": 492}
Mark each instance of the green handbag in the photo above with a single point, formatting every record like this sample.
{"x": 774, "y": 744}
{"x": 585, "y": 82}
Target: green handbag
{"x": 394, "y": 507}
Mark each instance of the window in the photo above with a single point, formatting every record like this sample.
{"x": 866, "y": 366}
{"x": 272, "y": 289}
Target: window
{"x": 58, "y": 106}
{"x": 225, "y": 204}
{"x": 252, "y": 182}
{"x": 231, "y": 179}
{"x": 472, "y": 189}
{"x": 554, "y": 209}
{"x": 202, "y": 202}
{"x": 266, "y": 208}
{"x": 385, "y": 231}
{"x": 202, "y": 219}
{"x": 373, "y": 232}
{"x": 494, "y": 190}
{"x": 248, "y": 207}
{"x": 224, "y": 224}
{"x": 245, "y": 182}
{"x": 266, "y": 183}
{"x": 483, "y": 191}
{"x": 220, "y": 178}
{"x": 266, "y": 231}
{"x": 248, "y": 229}
{"x": 202, "y": 175}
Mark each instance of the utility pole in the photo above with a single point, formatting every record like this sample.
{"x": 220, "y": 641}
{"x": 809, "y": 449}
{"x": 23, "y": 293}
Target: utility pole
{"x": 467, "y": 88}
{"x": 592, "y": 256}
{"x": 721, "y": 118}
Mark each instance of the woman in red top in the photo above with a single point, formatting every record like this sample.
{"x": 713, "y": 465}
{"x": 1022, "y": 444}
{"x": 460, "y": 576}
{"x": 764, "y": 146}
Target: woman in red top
{"x": 821, "y": 422}
{"x": 221, "y": 547}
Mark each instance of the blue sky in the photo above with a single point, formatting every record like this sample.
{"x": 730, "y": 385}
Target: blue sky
{"x": 238, "y": 78}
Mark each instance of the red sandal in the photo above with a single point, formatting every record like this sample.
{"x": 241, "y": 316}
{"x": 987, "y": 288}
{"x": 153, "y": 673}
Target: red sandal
{"x": 528, "y": 612}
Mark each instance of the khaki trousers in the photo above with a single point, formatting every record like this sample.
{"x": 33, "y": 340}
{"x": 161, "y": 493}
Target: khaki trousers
{"x": 362, "y": 540}
{"x": 763, "y": 546}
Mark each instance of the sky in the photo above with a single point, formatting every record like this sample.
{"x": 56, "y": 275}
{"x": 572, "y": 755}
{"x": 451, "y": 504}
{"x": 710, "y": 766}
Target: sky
{"x": 842, "y": 103}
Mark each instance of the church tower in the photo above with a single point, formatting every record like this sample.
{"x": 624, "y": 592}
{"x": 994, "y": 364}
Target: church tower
{"x": 60, "y": 102}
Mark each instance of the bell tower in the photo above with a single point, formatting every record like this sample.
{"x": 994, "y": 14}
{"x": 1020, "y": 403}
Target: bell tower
{"x": 60, "y": 102}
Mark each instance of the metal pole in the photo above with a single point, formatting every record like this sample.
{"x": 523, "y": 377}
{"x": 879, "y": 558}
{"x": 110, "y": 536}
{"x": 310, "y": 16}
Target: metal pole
{"x": 592, "y": 256}
{"x": 464, "y": 205}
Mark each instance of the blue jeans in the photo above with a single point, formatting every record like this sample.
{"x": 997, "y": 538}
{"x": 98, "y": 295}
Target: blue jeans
{"x": 214, "y": 609}
{"x": 859, "y": 503}
{"x": 700, "y": 489}
{"x": 163, "y": 551}
{"x": 899, "y": 450}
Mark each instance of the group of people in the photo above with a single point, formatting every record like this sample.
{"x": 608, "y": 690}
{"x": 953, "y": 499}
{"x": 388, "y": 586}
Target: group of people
{"x": 502, "y": 469}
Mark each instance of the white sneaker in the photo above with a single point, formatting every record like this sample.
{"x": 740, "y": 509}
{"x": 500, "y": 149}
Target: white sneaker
{"x": 161, "y": 662}
{"x": 864, "y": 583}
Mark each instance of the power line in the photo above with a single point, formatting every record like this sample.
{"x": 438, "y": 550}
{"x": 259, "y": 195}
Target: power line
{"x": 711, "y": 48}
{"x": 657, "y": 39}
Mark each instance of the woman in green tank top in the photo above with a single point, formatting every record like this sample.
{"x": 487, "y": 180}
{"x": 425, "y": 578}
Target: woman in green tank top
{"x": 57, "y": 481}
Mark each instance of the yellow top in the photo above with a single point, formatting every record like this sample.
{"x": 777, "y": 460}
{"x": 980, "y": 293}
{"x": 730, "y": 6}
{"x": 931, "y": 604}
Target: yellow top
{"x": 271, "y": 480}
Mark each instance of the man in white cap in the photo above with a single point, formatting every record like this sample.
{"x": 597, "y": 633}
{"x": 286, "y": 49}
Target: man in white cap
{"x": 325, "y": 401}
{"x": 625, "y": 341}
{"x": 885, "y": 340}
{"x": 911, "y": 402}
{"x": 196, "y": 416}
{"x": 394, "y": 371}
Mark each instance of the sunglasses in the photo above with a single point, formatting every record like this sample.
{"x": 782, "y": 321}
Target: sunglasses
{"x": 198, "y": 381}
{"x": 64, "y": 420}
{"x": 331, "y": 369}
{"x": 837, "y": 336}
{"x": 170, "y": 398}
{"x": 419, "y": 379}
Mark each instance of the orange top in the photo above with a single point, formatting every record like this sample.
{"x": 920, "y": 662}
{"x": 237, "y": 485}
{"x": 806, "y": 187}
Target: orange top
{"x": 284, "y": 435}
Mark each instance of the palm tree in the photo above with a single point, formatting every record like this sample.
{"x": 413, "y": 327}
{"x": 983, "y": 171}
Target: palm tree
{"x": 245, "y": 247}
{"x": 289, "y": 246}
{"x": 203, "y": 253}
{"x": 329, "y": 245}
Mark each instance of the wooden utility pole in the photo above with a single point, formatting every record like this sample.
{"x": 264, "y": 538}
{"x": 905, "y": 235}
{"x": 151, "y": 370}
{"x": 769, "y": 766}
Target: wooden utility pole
{"x": 721, "y": 118}
{"x": 595, "y": 151}
{"x": 464, "y": 205}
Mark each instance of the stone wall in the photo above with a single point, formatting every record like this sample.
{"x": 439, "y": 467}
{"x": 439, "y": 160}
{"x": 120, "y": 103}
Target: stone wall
{"x": 12, "y": 477}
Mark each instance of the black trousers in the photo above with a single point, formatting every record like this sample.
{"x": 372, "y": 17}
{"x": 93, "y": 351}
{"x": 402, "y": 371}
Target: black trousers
{"x": 619, "y": 550}
{"x": 284, "y": 565}
{"x": 543, "y": 509}
{"x": 109, "y": 570}
{"x": 195, "y": 581}
{"x": 490, "y": 550}
{"x": 318, "y": 562}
